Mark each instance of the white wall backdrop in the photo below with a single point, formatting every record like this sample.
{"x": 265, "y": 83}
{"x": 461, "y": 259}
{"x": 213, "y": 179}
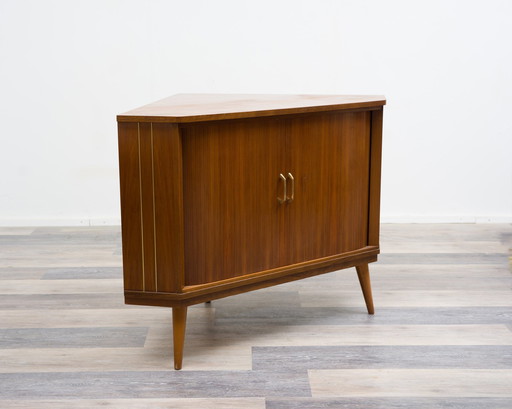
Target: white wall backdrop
{"x": 68, "y": 67}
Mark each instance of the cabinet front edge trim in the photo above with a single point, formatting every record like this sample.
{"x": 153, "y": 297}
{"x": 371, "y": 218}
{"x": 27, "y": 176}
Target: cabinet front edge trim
{"x": 192, "y": 291}
{"x": 196, "y": 297}
{"x": 250, "y": 114}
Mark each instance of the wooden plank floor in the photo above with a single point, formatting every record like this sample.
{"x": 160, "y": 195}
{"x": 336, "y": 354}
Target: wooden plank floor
{"x": 441, "y": 336}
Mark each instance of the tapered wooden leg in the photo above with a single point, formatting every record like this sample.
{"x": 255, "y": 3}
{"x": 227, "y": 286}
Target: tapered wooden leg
{"x": 179, "y": 323}
{"x": 363, "y": 273}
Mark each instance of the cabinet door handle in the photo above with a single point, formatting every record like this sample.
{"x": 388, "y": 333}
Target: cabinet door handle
{"x": 283, "y": 178}
{"x": 290, "y": 198}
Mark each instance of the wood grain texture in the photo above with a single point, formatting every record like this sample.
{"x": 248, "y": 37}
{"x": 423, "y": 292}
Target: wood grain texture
{"x": 404, "y": 298}
{"x": 131, "y": 209}
{"x": 122, "y": 358}
{"x": 258, "y": 347}
{"x": 225, "y": 288}
{"x": 154, "y": 384}
{"x": 209, "y": 193}
{"x": 386, "y": 356}
{"x": 168, "y": 191}
{"x": 389, "y": 403}
{"x": 375, "y": 176}
{"x": 148, "y": 205}
{"x": 14, "y": 338}
{"x": 231, "y": 183}
{"x": 406, "y": 382}
{"x": 329, "y": 156}
{"x": 163, "y": 403}
{"x": 234, "y": 224}
{"x": 206, "y": 107}
{"x": 263, "y": 190}
{"x": 311, "y": 334}
{"x": 179, "y": 325}
{"x": 363, "y": 274}
{"x": 83, "y": 273}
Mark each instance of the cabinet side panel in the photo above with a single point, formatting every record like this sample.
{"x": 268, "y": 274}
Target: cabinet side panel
{"x": 147, "y": 204}
{"x": 168, "y": 195}
{"x": 129, "y": 173}
{"x": 375, "y": 171}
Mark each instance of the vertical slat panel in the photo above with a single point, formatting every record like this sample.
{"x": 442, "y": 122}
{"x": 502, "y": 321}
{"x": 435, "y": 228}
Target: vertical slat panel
{"x": 314, "y": 147}
{"x": 231, "y": 184}
{"x": 375, "y": 171}
{"x": 168, "y": 206}
{"x": 330, "y": 160}
{"x": 355, "y": 157}
{"x": 129, "y": 172}
{"x": 147, "y": 203}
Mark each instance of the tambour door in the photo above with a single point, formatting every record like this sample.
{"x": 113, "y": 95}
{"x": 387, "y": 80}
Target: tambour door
{"x": 329, "y": 161}
{"x": 230, "y": 183}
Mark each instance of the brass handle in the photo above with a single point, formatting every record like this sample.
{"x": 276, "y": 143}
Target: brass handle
{"x": 281, "y": 201}
{"x": 290, "y": 199}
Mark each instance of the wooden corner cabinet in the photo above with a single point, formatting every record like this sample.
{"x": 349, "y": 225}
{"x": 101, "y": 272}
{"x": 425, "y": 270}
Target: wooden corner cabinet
{"x": 224, "y": 194}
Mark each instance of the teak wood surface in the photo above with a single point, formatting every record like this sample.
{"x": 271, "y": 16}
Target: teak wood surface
{"x": 205, "y": 107}
{"x": 226, "y": 194}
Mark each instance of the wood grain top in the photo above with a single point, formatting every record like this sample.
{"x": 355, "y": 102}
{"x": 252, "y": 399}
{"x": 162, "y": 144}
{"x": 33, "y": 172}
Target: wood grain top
{"x": 206, "y": 107}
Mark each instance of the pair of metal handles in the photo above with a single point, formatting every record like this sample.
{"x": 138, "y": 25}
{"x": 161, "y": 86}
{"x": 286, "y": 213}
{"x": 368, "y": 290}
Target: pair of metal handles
{"x": 285, "y": 197}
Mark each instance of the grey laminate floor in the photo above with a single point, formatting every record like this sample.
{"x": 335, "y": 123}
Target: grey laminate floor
{"x": 441, "y": 336}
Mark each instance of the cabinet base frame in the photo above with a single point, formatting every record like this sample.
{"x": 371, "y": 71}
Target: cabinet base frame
{"x": 179, "y": 302}
{"x": 242, "y": 285}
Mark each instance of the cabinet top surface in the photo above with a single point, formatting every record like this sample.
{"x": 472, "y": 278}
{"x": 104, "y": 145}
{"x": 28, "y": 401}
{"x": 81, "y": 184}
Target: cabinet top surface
{"x": 206, "y": 107}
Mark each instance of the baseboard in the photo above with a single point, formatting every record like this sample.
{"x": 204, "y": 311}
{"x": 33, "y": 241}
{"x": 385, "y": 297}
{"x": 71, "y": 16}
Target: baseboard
{"x": 115, "y": 221}
{"x": 428, "y": 219}
{"x": 103, "y": 221}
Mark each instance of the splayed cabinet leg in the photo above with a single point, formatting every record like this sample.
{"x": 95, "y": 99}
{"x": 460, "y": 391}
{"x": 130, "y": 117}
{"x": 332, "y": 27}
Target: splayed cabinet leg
{"x": 179, "y": 323}
{"x": 363, "y": 273}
